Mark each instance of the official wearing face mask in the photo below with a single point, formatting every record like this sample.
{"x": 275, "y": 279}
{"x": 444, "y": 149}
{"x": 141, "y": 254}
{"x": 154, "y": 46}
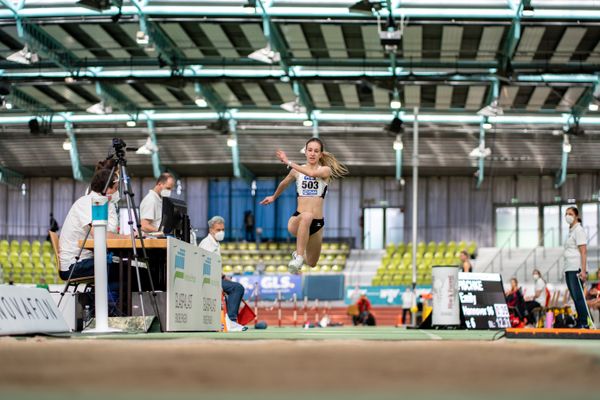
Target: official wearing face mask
{"x": 233, "y": 290}
{"x": 576, "y": 266}
{"x": 151, "y": 205}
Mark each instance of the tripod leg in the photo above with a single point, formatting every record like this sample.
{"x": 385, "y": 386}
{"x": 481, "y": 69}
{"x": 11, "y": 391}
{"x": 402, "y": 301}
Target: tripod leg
{"x": 132, "y": 213}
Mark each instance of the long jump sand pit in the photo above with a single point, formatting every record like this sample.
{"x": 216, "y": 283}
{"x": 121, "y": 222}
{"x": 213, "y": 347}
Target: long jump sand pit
{"x": 292, "y": 367}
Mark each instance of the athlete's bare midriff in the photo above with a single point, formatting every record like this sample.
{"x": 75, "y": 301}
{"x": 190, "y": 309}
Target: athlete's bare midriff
{"x": 311, "y": 204}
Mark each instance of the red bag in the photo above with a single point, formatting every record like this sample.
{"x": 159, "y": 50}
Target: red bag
{"x": 246, "y": 314}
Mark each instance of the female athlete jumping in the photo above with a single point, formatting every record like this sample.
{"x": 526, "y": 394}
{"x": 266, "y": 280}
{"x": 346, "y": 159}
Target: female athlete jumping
{"x": 311, "y": 187}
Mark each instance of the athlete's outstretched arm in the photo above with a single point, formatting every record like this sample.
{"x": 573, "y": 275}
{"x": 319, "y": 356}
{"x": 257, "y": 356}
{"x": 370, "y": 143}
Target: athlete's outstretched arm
{"x": 282, "y": 186}
{"x": 324, "y": 172}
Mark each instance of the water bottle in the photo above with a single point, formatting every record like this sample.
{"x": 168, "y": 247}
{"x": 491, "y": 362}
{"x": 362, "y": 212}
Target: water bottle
{"x": 87, "y": 316}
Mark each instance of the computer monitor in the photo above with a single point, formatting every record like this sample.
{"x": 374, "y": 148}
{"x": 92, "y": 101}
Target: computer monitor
{"x": 175, "y": 221}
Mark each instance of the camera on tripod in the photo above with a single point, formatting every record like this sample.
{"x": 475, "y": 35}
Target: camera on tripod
{"x": 119, "y": 145}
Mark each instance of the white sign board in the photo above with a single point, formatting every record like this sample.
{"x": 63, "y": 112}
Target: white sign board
{"x": 26, "y": 310}
{"x": 444, "y": 288}
{"x": 193, "y": 288}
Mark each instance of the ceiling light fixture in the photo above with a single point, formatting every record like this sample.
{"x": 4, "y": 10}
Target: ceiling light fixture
{"x": 307, "y": 122}
{"x": 200, "y": 102}
{"x": 67, "y": 146}
{"x": 294, "y": 107}
{"x": 24, "y": 56}
{"x": 486, "y": 126}
{"x": 398, "y": 145}
{"x": 131, "y": 123}
{"x": 141, "y": 38}
{"x": 491, "y": 110}
{"x": 99, "y": 109}
{"x": 593, "y": 107}
{"x": 231, "y": 141}
{"x": 265, "y": 55}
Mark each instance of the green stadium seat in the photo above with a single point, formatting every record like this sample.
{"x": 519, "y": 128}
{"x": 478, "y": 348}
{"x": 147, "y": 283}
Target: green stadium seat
{"x": 227, "y": 269}
{"x": 282, "y": 268}
{"x": 431, "y": 246}
{"x": 376, "y": 282}
{"x": 46, "y": 246}
{"x": 325, "y": 268}
{"x": 25, "y": 245}
{"x": 17, "y": 278}
{"x": 25, "y": 256}
{"x": 336, "y": 268}
{"x": 15, "y": 245}
{"x": 271, "y": 269}
{"x": 238, "y": 269}
{"x": 462, "y": 245}
{"x": 27, "y": 278}
{"x": 249, "y": 269}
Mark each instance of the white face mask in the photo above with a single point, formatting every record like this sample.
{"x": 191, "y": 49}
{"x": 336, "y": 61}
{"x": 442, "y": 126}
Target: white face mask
{"x": 569, "y": 219}
{"x": 115, "y": 197}
{"x": 165, "y": 193}
{"x": 219, "y": 236}
{"x": 536, "y": 277}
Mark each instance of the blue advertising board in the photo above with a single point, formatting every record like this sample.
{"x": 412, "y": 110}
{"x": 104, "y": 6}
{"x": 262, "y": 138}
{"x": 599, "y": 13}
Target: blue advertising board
{"x": 381, "y": 295}
{"x": 270, "y": 285}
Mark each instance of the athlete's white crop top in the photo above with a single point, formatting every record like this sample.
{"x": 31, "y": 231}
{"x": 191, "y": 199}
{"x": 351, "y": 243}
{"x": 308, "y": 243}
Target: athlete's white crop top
{"x": 307, "y": 186}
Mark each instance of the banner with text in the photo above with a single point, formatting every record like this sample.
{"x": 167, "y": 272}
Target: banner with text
{"x": 29, "y": 310}
{"x": 193, "y": 288}
{"x": 270, "y": 285}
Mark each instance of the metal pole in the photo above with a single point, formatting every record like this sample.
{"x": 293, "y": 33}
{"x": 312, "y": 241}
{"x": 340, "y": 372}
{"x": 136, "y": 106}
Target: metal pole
{"x": 415, "y": 206}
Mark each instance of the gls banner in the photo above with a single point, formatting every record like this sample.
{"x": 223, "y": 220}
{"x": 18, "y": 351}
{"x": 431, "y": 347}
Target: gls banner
{"x": 270, "y": 285}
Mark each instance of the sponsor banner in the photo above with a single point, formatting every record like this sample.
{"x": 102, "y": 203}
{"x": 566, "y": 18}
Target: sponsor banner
{"x": 446, "y": 309}
{"x": 270, "y": 285}
{"x": 26, "y": 310}
{"x": 382, "y": 295}
{"x": 482, "y": 301}
{"x": 194, "y": 288}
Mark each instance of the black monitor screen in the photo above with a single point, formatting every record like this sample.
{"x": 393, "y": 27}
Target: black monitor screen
{"x": 175, "y": 221}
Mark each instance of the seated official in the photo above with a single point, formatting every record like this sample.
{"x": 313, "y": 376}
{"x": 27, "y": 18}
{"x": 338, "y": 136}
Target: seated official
{"x": 233, "y": 290}
{"x": 151, "y": 205}
{"x": 76, "y": 226}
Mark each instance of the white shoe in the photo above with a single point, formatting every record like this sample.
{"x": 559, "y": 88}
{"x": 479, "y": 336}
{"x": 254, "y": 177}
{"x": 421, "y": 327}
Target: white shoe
{"x": 233, "y": 326}
{"x": 295, "y": 263}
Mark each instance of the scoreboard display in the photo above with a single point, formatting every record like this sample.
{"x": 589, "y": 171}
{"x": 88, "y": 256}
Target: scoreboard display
{"x": 482, "y": 301}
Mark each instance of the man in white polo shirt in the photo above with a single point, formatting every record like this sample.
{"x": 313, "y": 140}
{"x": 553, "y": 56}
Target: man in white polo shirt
{"x": 151, "y": 205}
{"x": 77, "y": 224}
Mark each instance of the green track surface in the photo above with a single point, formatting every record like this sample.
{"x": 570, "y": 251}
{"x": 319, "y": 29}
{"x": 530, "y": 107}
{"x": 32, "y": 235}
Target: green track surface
{"x": 348, "y": 333}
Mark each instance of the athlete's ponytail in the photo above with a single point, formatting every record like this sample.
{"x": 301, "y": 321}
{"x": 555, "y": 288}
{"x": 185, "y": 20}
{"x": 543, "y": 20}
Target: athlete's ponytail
{"x": 338, "y": 169}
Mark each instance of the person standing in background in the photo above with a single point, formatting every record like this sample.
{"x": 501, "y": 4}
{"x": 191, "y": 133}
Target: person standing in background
{"x": 249, "y": 226}
{"x": 576, "y": 266}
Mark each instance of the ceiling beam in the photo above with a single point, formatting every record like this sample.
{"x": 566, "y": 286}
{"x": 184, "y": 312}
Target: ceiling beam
{"x": 277, "y": 42}
{"x": 511, "y": 41}
{"x": 157, "y": 167}
{"x": 477, "y": 11}
{"x": 117, "y": 99}
{"x": 80, "y": 173}
{"x": 166, "y": 49}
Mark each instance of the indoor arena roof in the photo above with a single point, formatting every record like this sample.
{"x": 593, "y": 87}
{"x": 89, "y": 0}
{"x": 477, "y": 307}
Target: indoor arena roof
{"x": 191, "y": 74}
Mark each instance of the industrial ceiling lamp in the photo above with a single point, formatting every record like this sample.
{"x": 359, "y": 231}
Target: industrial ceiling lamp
{"x": 265, "y": 55}
{"x": 24, "y": 56}
{"x": 491, "y": 110}
{"x": 99, "y": 109}
{"x": 95, "y": 5}
{"x": 147, "y": 148}
{"x": 131, "y": 123}
{"x": 67, "y": 146}
{"x": 142, "y": 38}
{"x": 294, "y": 107}
{"x": 231, "y": 141}
{"x": 200, "y": 102}
{"x": 398, "y": 145}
